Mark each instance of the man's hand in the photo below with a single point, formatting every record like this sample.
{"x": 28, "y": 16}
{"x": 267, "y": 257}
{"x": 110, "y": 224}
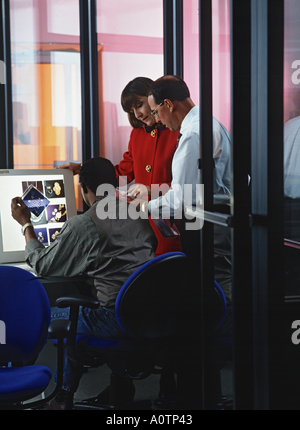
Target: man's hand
{"x": 138, "y": 191}
{"x": 19, "y": 211}
{"x": 75, "y": 167}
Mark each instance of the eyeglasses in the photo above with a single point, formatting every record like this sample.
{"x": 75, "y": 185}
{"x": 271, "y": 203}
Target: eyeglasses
{"x": 155, "y": 111}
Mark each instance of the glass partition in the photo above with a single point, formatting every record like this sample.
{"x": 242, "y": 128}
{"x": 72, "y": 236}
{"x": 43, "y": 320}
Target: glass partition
{"x": 221, "y": 55}
{"x": 191, "y": 47}
{"x": 46, "y": 82}
{"x": 46, "y": 86}
{"x": 221, "y": 109}
{"x": 130, "y": 45}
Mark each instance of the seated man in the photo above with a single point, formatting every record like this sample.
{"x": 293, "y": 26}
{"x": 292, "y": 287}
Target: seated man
{"x": 105, "y": 251}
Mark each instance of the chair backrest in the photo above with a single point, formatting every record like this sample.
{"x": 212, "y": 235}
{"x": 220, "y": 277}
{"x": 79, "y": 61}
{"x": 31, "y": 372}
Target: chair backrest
{"x": 148, "y": 303}
{"x": 25, "y": 312}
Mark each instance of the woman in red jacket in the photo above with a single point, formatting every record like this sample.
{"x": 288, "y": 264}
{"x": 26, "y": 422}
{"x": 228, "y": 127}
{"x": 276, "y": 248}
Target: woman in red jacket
{"x": 148, "y": 160}
{"x": 150, "y": 152}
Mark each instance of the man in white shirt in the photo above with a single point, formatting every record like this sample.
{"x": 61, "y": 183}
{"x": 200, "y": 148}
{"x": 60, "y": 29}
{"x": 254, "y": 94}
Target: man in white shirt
{"x": 171, "y": 104}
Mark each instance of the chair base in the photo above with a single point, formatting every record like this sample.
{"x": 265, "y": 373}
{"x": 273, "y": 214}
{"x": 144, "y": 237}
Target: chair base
{"x": 142, "y": 405}
{"x": 167, "y": 404}
{"x": 225, "y": 405}
{"x": 119, "y": 395}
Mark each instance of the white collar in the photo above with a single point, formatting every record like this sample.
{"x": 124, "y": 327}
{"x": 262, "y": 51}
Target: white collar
{"x": 193, "y": 113}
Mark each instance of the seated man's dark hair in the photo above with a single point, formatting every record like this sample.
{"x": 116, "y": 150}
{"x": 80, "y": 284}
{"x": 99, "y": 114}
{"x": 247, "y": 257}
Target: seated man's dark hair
{"x": 97, "y": 171}
{"x": 169, "y": 87}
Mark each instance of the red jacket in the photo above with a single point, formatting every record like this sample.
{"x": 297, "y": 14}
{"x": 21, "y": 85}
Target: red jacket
{"x": 149, "y": 161}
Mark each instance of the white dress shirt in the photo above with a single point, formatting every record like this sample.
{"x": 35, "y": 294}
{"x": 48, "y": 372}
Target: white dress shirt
{"x": 185, "y": 169}
{"x": 292, "y": 158}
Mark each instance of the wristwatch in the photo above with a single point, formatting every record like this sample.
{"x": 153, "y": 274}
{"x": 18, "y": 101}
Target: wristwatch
{"x": 144, "y": 207}
{"x": 25, "y": 226}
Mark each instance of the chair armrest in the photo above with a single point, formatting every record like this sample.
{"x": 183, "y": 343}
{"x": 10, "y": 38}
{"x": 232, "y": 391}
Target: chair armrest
{"x": 59, "y": 329}
{"x": 60, "y": 279}
{"x": 74, "y": 301}
{"x": 77, "y": 300}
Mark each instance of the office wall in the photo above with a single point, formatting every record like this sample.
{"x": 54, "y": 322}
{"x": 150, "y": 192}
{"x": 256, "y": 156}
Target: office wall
{"x": 131, "y": 36}
{"x": 221, "y": 55}
{"x": 47, "y": 78}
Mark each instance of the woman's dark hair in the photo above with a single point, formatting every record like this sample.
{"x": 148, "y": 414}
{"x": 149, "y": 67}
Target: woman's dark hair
{"x": 97, "y": 171}
{"x": 139, "y": 87}
{"x": 169, "y": 87}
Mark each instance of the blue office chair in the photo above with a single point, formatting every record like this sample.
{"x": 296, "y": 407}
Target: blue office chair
{"x": 25, "y": 315}
{"x": 147, "y": 310}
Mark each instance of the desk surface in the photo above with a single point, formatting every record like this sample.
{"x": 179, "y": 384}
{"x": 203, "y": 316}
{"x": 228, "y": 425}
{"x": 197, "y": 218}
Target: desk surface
{"x": 56, "y": 287}
{"x": 21, "y": 266}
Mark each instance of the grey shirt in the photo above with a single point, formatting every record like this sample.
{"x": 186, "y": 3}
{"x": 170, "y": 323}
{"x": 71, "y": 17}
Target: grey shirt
{"x": 106, "y": 251}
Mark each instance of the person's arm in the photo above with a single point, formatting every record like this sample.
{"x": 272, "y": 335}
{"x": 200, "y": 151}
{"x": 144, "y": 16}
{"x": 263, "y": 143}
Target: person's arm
{"x": 22, "y": 215}
{"x": 75, "y": 167}
{"x": 185, "y": 172}
{"x": 70, "y": 254}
